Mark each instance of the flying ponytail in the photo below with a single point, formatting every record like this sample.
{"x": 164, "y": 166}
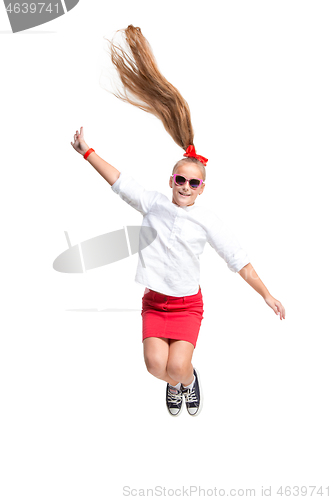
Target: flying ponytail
{"x": 146, "y": 88}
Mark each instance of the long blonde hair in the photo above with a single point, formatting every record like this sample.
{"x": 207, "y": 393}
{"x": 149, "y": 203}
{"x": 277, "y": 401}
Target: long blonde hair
{"x": 146, "y": 88}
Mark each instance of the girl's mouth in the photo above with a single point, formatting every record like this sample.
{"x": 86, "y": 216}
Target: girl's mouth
{"x": 182, "y": 194}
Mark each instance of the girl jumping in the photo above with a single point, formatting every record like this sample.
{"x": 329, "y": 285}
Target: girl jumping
{"x": 172, "y": 304}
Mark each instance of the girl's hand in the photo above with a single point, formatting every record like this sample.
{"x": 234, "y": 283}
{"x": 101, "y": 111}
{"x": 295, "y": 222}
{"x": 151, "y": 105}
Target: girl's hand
{"x": 276, "y": 306}
{"x": 79, "y": 144}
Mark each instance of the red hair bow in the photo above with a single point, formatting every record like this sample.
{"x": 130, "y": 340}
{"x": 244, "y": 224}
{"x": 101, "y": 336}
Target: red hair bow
{"x": 190, "y": 152}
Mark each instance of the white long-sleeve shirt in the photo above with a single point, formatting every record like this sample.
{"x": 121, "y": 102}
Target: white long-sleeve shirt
{"x": 171, "y": 262}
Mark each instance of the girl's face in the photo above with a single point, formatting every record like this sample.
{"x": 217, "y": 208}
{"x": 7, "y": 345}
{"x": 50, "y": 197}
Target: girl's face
{"x": 185, "y": 196}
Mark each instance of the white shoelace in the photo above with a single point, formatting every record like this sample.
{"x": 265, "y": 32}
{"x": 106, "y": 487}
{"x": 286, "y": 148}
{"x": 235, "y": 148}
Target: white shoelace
{"x": 174, "y": 398}
{"x": 190, "y": 396}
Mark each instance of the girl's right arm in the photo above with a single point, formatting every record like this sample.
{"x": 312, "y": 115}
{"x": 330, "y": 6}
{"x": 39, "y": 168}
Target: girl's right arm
{"x": 107, "y": 171}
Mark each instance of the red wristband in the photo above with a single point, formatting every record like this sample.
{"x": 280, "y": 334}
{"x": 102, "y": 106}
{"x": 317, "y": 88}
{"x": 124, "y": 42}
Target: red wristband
{"x": 88, "y": 153}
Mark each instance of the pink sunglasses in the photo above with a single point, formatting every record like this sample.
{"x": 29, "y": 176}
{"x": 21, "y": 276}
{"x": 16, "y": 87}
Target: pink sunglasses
{"x": 180, "y": 180}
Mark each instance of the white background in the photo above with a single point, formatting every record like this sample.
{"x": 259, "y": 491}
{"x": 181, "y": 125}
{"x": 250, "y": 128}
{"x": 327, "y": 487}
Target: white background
{"x": 81, "y": 417}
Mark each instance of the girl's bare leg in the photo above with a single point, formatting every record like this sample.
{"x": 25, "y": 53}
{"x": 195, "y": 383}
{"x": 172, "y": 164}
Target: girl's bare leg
{"x": 156, "y": 354}
{"x": 179, "y": 366}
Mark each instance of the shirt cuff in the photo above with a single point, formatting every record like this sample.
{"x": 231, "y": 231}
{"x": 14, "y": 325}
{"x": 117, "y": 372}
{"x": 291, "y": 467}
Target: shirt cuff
{"x": 116, "y": 186}
{"x": 239, "y": 262}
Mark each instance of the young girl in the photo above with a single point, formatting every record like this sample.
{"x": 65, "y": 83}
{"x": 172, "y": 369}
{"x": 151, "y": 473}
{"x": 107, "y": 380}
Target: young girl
{"x": 172, "y": 305}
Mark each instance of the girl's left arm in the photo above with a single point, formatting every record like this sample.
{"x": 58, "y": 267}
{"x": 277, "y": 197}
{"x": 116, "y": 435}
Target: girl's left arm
{"x": 251, "y": 277}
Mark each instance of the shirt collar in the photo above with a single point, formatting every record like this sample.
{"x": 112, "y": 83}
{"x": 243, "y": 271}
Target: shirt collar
{"x": 189, "y": 208}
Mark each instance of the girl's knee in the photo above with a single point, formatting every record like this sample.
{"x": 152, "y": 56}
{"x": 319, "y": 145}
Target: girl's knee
{"x": 155, "y": 365}
{"x": 178, "y": 369}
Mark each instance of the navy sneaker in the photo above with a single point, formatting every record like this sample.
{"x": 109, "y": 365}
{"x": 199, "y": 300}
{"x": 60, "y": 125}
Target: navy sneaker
{"x": 193, "y": 397}
{"x": 174, "y": 401}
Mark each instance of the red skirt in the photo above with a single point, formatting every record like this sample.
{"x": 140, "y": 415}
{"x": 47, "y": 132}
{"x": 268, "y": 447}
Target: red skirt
{"x": 170, "y": 317}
